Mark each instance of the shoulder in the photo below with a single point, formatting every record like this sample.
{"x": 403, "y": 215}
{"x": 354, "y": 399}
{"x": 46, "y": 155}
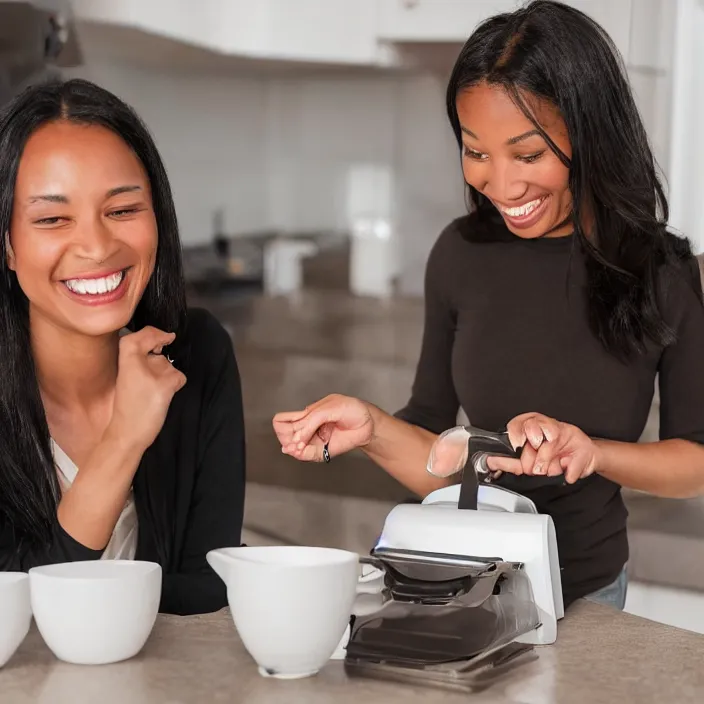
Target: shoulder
{"x": 464, "y": 236}
{"x": 449, "y": 243}
{"x": 207, "y": 345}
{"x": 202, "y": 326}
{"x": 680, "y": 267}
{"x": 680, "y": 283}
{"x": 470, "y": 229}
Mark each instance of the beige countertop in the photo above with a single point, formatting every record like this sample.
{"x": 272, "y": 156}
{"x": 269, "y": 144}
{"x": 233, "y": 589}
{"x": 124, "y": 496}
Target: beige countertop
{"x": 601, "y": 656}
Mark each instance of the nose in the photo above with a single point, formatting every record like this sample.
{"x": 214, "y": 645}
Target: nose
{"x": 502, "y": 181}
{"x": 94, "y": 241}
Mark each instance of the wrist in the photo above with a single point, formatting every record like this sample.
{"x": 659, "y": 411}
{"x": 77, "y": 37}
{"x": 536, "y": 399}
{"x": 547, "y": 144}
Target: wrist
{"x": 601, "y": 455}
{"x": 376, "y": 416}
{"x": 118, "y": 442}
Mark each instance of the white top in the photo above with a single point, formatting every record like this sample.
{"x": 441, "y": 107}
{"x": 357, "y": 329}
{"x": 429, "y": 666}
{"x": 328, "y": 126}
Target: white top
{"x": 123, "y": 542}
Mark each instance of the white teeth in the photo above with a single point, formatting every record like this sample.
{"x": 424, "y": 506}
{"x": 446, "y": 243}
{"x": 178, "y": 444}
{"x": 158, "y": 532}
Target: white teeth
{"x": 522, "y": 210}
{"x": 95, "y": 286}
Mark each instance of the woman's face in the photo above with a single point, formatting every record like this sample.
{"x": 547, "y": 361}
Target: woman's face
{"x": 83, "y": 234}
{"x": 507, "y": 160}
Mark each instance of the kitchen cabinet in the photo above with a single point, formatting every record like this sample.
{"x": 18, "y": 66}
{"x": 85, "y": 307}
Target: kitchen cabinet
{"x": 453, "y": 20}
{"x": 357, "y": 32}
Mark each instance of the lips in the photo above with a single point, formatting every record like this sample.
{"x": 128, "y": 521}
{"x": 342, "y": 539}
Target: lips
{"x": 97, "y": 290}
{"x": 525, "y": 215}
{"x": 94, "y": 286}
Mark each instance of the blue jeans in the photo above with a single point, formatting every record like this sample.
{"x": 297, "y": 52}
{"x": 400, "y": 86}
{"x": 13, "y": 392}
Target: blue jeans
{"x": 613, "y": 594}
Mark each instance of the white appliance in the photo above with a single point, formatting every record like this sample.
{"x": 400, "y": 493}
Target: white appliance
{"x": 505, "y": 527}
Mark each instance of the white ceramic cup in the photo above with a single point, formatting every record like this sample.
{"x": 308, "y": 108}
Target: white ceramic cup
{"x": 290, "y": 605}
{"x": 93, "y": 613}
{"x": 15, "y": 612}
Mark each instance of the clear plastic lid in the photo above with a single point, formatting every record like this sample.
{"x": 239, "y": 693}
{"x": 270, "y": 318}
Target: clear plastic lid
{"x": 449, "y": 453}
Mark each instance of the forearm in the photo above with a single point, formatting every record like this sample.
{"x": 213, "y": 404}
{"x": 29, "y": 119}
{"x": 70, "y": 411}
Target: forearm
{"x": 402, "y": 450}
{"x": 671, "y": 468}
{"x": 89, "y": 509}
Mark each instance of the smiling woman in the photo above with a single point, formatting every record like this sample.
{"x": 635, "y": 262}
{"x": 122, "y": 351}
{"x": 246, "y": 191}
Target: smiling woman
{"x": 551, "y": 306}
{"x": 511, "y": 165}
{"x": 73, "y": 233}
{"x": 109, "y": 448}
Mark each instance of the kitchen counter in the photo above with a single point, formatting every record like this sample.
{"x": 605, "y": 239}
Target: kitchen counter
{"x": 601, "y": 656}
{"x": 292, "y": 351}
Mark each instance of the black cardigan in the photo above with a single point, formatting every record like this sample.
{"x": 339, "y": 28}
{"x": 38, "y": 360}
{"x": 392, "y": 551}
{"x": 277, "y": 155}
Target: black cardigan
{"x": 189, "y": 487}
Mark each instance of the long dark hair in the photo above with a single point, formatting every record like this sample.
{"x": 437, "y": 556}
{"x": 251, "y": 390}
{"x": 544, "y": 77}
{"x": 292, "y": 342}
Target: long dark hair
{"x": 557, "y": 53}
{"x": 29, "y": 490}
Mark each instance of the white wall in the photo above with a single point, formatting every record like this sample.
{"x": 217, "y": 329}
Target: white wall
{"x": 212, "y": 134}
{"x": 322, "y": 127}
{"x": 687, "y": 140}
{"x": 431, "y": 185}
{"x": 650, "y": 69}
{"x": 319, "y": 127}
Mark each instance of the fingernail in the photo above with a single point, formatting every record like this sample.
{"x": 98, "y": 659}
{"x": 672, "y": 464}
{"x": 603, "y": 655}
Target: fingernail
{"x": 536, "y": 440}
{"x": 283, "y": 449}
{"x": 297, "y": 436}
{"x": 300, "y": 445}
{"x": 538, "y": 469}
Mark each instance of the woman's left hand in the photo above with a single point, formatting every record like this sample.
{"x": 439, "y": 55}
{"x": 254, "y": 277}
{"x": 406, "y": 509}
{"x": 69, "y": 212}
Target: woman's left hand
{"x": 550, "y": 448}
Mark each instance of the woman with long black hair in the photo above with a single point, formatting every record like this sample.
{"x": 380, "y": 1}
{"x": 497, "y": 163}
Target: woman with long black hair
{"x": 553, "y": 305}
{"x": 121, "y": 428}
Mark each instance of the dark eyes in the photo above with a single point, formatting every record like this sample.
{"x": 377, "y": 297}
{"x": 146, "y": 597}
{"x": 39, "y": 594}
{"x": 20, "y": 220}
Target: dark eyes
{"x": 116, "y": 214}
{"x": 530, "y": 158}
{"x": 473, "y": 154}
{"x": 123, "y": 212}
{"x": 480, "y": 156}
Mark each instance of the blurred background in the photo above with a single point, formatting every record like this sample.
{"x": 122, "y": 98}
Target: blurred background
{"x": 313, "y": 167}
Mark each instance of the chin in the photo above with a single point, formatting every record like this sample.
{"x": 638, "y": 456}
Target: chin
{"x": 98, "y": 323}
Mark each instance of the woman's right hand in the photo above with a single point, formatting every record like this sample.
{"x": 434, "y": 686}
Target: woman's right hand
{"x": 343, "y": 422}
{"x": 146, "y": 383}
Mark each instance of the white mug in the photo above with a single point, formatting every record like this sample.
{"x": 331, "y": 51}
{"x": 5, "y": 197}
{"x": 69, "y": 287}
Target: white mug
{"x": 290, "y": 605}
{"x": 95, "y": 612}
{"x": 15, "y": 612}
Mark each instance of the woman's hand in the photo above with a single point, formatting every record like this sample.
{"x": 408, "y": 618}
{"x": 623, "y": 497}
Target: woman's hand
{"x": 343, "y": 422}
{"x": 550, "y": 448}
{"x": 146, "y": 383}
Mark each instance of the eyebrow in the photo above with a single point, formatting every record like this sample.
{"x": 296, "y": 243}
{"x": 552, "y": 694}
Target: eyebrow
{"x": 525, "y": 135}
{"x": 48, "y": 198}
{"x": 512, "y": 140}
{"x": 58, "y": 198}
{"x": 123, "y": 189}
